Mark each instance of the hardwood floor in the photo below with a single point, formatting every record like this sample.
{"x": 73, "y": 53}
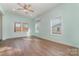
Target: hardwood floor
{"x": 33, "y": 47}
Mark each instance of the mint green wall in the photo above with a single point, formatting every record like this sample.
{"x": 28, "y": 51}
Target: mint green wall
{"x": 8, "y": 21}
{"x": 8, "y": 26}
{"x": 70, "y": 16}
{"x": 2, "y": 13}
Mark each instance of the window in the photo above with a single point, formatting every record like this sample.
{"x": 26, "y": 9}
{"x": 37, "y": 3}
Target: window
{"x": 24, "y": 27}
{"x": 20, "y": 27}
{"x": 56, "y": 26}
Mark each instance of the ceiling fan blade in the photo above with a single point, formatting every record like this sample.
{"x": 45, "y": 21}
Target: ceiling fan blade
{"x": 31, "y": 10}
{"x": 29, "y": 6}
{"x": 20, "y": 5}
{"x": 25, "y": 6}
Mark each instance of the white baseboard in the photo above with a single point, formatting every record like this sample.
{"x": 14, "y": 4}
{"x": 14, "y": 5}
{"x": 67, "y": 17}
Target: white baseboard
{"x": 58, "y": 41}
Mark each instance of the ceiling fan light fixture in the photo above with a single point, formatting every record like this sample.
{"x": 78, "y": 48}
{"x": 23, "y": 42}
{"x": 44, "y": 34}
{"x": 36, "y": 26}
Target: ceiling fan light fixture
{"x": 24, "y": 10}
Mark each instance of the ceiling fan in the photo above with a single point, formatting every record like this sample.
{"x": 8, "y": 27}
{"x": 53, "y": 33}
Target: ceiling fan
{"x": 24, "y": 7}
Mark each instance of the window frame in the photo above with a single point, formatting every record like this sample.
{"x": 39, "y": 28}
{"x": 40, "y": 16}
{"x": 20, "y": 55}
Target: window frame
{"x": 52, "y": 25}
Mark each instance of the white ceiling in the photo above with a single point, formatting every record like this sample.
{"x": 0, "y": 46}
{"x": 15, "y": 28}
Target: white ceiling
{"x": 38, "y": 8}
